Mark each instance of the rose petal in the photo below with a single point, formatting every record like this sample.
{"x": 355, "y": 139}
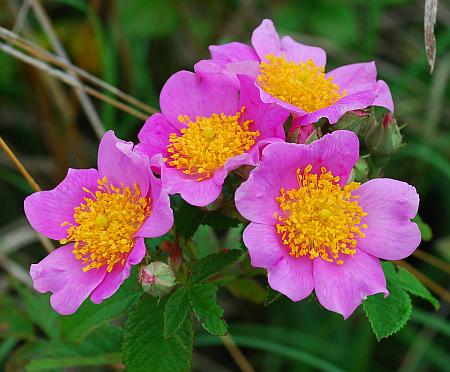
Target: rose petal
{"x": 292, "y": 277}
{"x": 114, "y": 279}
{"x": 265, "y": 39}
{"x": 161, "y": 219}
{"x": 267, "y": 98}
{"x": 62, "y": 274}
{"x": 268, "y": 119}
{"x": 248, "y": 68}
{"x": 47, "y": 210}
{"x": 255, "y": 198}
{"x": 390, "y": 205}
{"x": 384, "y": 96}
{"x": 297, "y": 52}
{"x": 355, "y": 78}
{"x": 121, "y": 165}
{"x": 198, "y": 193}
{"x": 263, "y": 244}
{"x": 154, "y": 136}
{"x": 333, "y": 113}
{"x": 186, "y": 93}
{"x": 342, "y": 288}
{"x": 233, "y": 52}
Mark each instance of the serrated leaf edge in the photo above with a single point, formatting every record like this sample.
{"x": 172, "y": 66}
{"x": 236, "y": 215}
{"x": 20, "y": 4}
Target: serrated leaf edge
{"x": 410, "y": 309}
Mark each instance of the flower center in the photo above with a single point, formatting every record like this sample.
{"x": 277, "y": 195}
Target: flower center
{"x": 320, "y": 219}
{"x": 301, "y": 84}
{"x": 105, "y": 225}
{"x": 207, "y": 143}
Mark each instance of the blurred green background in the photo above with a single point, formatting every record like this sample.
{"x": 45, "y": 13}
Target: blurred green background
{"x": 136, "y": 45}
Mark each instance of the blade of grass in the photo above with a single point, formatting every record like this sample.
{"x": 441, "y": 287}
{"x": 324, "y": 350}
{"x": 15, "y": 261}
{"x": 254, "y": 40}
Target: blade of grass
{"x": 264, "y": 344}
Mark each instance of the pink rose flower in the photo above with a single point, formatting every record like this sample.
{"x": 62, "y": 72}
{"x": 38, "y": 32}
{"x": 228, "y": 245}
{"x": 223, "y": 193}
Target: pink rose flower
{"x": 209, "y": 125}
{"x": 311, "y": 230}
{"x": 292, "y": 75}
{"x": 102, "y": 217}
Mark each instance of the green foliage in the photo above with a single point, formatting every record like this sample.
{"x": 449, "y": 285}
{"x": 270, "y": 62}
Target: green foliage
{"x": 176, "y": 310}
{"x": 91, "y": 316}
{"x": 213, "y": 264}
{"x": 102, "y": 347}
{"x": 425, "y": 229}
{"x": 218, "y": 221}
{"x": 203, "y": 299}
{"x": 410, "y": 283}
{"x": 388, "y": 315}
{"x": 187, "y": 218}
{"x": 146, "y": 349}
{"x": 279, "y": 348}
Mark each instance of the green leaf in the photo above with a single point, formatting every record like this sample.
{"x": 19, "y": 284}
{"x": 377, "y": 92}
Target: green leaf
{"x": 410, "y": 283}
{"x": 213, "y": 264}
{"x": 203, "y": 299}
{"x": 215, "y": 326}
{"x": 175, "y": 313}
{"x": 267, "y": 345}
{"x": 356, "y": 123}
{"x": 388, "y": 315}
{"x": 219, "y": 221}
{"x": 187, "y": 218}
{"x": 44, "y": 364}
{"x": 102, "y": 347}
{"x": 425, "y": 229}
{"x": 205, "y": 241}
{"x": 247, "y": 289}
{"x": 389, "y": 271}
{"x": 90, "y": 316}
{"x": 146, "y": 349}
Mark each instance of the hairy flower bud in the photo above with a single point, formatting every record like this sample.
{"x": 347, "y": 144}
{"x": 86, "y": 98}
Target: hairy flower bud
{"x": 157, "y": 279}
{"x": 357, "y": 121}
{"x": 384, "y": 138}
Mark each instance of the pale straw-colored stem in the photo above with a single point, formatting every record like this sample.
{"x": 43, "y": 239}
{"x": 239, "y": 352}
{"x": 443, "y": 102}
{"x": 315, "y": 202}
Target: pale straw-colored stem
{"x": 86, "y": 104}
{"x": 34, "y": 185}
{"x": 68, "y": 79}
{"x": 44, "y": 55}
{"x": 236, "y": 353}
{"x": 432, "y": 260}
{"x": 429, "y": 283}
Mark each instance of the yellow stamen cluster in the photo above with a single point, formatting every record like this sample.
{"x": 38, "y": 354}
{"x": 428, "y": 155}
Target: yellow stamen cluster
{"x": 207, "y": 143}
{"x": 320, "y": 219}
{"x": 105, "y": 225}
{"x": 301, "y": 84}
